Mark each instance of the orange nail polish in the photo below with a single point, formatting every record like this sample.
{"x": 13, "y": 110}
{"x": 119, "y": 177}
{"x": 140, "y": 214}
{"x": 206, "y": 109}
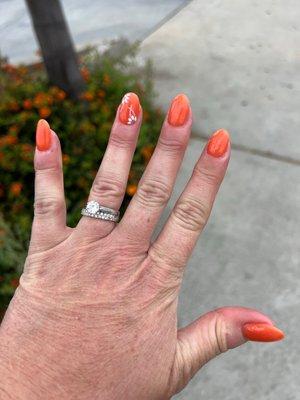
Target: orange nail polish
{"x": 130, "y": 109}
{"x": 260, "y": 332}
{"x": 43, "y": 135}
{"x": 218, "y": 143}
{"x": 179, "y": 110}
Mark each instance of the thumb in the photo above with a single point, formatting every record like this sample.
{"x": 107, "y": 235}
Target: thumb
{"x": 215, "y": 333}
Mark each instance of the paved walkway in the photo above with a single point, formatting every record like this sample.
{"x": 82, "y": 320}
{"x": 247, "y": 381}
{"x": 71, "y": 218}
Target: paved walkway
{"x": 239, "y": 63}
{"x": 89, "y": 23}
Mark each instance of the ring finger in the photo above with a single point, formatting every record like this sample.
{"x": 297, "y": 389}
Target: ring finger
{"x": 110, "y": 182}
{"x": 191, "y": 212}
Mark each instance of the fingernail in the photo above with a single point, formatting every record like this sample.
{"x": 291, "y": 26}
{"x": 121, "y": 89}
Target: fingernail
{"x": 130, "y": 109}
{"x": 218, "y": 143}
{"x": 43, "y": 135}
{"x": 179, "y": 110}
{"x": 258, "y": 332}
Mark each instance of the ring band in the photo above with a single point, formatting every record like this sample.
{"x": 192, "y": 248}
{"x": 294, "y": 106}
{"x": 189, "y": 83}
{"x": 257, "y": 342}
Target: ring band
{"x": 94, "y": 210}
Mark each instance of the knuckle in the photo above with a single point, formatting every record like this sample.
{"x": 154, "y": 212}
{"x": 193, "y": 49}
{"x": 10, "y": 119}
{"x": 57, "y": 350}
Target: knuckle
{"x": 45, "y": 169}
{"x": 172, "y": 144}
{"x": 108, "y": 188}
{"x": 191, "y": 214}
{"x": 48, "y": 206}
{"x": 220, "y": 332}
{"x": 215, "y": 337}
{"x": 122, "y": 139}
{"x": 165, "y": 271}
{"x": 165, "y": 260}
{"x": 153, "y": 193}
{"x": 206, "y": 175}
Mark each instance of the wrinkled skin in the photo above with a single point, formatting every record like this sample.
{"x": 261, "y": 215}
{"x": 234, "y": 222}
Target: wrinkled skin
{"x": 95, "y": 315}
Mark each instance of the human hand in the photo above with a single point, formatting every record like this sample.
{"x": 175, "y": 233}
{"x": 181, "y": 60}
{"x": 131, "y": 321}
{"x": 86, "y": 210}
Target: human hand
{"x": 95, "y": 315}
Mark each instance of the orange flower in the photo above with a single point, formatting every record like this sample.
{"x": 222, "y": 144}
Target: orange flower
{"x": 131, "y": 174}
{"x": 60, "y": 95}
{"x": 65, "y": 158}
{"x": 38, "y": 100}
{"x": 8, "y": 140}
{"x": 49, "y": 99}
{"x": 106, "y": 79}
{"x": 131, "y": 189}
{"x": 13, "y": 106}
{"x": 23, "y": 70}
{"x": 85, "y": 73}
{"x": 147, "y": 152}
{"x": 88, "y": 96}
{"x": 44, "y": 112}
{"x": 14, "y": 282}
{"x": 18, "y": 81}
{"x": 27, "y": 104}
{"x": 9, "y": 68}
{"x": 42, "y": 99}
{"x": 101, "y": 94}
{"x": 15, "y": 188}
{"x": 54, "y": 90}
{"x": 146, "y": 116}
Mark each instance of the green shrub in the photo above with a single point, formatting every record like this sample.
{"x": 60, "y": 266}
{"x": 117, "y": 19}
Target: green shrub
{"x": 83, "y": 128}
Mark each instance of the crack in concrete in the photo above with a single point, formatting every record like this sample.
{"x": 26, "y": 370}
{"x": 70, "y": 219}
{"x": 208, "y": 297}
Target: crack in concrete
{"x": 256, "y": 152}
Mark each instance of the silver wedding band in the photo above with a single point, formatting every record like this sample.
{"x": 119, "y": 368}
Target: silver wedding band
{"x": 94, "y": 210}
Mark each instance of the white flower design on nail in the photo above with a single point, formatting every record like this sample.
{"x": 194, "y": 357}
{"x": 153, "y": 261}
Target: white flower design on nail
{"x": 126, "y": 98}
{"x": 132, "y": 118}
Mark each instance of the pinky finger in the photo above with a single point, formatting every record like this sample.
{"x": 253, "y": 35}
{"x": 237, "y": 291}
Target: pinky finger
{"x": 49, "y": 224}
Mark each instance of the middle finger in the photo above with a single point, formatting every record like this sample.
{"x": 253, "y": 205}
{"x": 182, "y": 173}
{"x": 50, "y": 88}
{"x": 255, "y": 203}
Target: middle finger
{"x": 156, "y": 185}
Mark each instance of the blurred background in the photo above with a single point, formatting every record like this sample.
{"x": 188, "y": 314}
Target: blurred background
{"x": 71, "y": 62}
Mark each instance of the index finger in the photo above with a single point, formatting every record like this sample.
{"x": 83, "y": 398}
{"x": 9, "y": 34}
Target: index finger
{"x": 191, "y": 212}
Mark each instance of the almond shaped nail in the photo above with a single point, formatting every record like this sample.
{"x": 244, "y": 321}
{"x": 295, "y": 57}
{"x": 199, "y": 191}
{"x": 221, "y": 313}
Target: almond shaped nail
{"x": 260, "y": 332}
{"x": 129, "y": 109}
{"x": 179, "y": 110}
{"x": 218, "y": 143}
{"x": 43, "y": 135}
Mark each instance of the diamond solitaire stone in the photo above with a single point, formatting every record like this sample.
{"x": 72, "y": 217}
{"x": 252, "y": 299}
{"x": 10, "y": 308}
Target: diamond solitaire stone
{"x": 94, "y": 210}
{"x": 92, "y": 207}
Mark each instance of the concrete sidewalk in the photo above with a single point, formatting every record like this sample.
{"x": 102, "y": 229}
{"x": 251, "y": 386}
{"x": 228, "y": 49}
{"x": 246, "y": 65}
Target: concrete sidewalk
{"x": 238, "y": 62}
{"x": 90, "y": 23}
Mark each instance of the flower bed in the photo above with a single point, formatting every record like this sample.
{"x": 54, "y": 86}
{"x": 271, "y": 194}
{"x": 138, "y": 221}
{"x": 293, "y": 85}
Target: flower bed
{"x": 83, "y": 128}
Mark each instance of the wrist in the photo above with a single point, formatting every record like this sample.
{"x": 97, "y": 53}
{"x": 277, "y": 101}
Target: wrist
{"x": 23, "y": 361}
{"x": 41, "y": 351}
